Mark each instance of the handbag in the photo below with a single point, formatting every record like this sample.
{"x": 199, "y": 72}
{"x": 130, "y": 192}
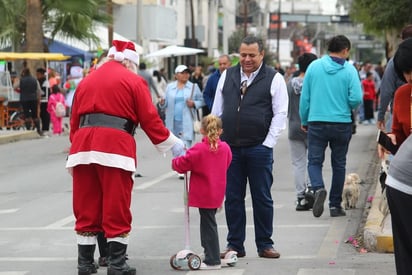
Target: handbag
{"x": 195, "y": 115}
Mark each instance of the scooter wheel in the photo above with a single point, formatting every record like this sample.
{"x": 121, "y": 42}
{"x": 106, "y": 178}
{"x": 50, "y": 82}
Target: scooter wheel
{"x": 194, "y": 262}
{"x": 232, "y": 260}
{"x": 173, "y": 263}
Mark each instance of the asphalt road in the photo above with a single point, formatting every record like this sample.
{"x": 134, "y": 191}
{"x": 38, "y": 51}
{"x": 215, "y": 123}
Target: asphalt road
{"x": 36, "y": 221}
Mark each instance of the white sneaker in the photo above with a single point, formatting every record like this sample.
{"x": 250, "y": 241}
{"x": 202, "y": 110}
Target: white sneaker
{"x": 204, "y": 266}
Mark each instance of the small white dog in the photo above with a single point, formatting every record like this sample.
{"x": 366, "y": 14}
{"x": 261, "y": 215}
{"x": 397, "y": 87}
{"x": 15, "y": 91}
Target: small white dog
{"x": 351, "y": 191}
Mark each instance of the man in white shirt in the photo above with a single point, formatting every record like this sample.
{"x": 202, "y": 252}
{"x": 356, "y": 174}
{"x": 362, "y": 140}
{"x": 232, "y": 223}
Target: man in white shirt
{"x": 252, "y": 100}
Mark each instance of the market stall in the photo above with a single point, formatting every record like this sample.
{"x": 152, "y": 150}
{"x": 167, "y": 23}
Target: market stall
{"x": 8, "y": 95}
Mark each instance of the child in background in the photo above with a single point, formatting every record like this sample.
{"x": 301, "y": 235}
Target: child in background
{"x": 208, "y": 162}
{"x": 369, "y": 95}
{"x": 56, "y": 120}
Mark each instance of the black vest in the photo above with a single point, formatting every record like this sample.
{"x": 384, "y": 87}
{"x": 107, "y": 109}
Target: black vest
{"x": 246, "y": 121}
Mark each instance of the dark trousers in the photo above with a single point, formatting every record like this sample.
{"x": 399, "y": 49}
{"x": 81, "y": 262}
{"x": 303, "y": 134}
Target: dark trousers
{"x": 209, "y": 236}
{"x": 368, "y": 109}
{"x": 44, "y": 117}
{"x": 400, "y": 205}
{"x": 253, "y": 165}
{"x": 103, "y": 246}
{"x": 337, "y": 136}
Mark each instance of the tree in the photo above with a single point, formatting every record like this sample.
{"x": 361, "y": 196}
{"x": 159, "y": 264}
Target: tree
{"x": 23, "y": 23}
{"x": 34, "y": 29}
{"x": 12, "y": 23}
{"x": 382, "y": 17}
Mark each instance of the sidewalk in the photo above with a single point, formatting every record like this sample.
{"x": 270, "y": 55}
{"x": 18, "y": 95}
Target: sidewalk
{"x": 7, "y": 136}
{"x": 377, "y": 233}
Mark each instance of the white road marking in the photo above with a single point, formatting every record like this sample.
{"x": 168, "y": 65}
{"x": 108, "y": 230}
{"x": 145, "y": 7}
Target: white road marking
{"x": 148, "y": 184}
{"x": 223, "y": 270}
{"x": 61, "y": 223}
{"x": 8, "y": 211}
{"x": 14, "y": 272}
{"x": 325, "y": 271}
{"x": 145, "y": 258}
{"x": 153, "y": 227}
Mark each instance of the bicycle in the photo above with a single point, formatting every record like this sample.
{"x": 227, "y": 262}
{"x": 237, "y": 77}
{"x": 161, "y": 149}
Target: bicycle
{"x": 16, "y": 119}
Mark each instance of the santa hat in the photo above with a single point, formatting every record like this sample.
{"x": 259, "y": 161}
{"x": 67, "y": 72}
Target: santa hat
{"x": 122, "y": 50}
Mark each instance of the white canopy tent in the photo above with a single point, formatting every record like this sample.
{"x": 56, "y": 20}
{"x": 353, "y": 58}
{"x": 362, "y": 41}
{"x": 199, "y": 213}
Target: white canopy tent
{"x": 174, "y": 50}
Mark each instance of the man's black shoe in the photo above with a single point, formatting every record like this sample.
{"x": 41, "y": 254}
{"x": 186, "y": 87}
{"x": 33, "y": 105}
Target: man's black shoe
{"x": 320, "y": 196}
{"x": 337, "y": 212}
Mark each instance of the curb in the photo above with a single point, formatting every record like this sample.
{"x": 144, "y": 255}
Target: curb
{"x": 377, "y": 233}
{"x": 16, "y": 136}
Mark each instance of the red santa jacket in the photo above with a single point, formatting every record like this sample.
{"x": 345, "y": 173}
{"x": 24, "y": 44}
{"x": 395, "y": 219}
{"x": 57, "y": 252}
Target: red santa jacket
{"x": 208, "y": 173}
{"x": 116, "y": 91}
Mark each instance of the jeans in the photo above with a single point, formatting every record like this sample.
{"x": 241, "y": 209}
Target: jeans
{"x": 337, "y": 136}
{"x": 253, "y": 164}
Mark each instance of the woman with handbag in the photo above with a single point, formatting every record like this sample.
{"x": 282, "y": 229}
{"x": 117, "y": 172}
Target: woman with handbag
{"x": 182, "y": 100}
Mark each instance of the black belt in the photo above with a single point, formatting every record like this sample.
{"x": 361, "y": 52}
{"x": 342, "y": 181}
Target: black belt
{"x": 103, "y": 120}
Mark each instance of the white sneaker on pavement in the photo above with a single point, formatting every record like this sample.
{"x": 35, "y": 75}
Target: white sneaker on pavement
{"x": 204, "y": 266}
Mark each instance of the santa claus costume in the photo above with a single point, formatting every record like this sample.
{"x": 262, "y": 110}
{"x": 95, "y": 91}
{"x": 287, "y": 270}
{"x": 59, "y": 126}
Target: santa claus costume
{"x": 107, "y": 107}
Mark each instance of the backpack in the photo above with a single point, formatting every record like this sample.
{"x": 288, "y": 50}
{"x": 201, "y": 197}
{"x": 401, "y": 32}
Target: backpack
{"x": 60, "y": 110}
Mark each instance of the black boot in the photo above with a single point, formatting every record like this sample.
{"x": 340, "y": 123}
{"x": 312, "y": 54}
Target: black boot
{"x": 85, "y": 260}
{"x": 117, "y": 260}
{"x": 103, "y": 247}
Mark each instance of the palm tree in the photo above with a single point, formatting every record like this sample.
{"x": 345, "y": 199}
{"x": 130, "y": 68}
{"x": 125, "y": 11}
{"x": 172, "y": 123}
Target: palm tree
{"x": 34, "y": 31}
{"x": 24, "y": 22}
{"x": 12, "y": 23}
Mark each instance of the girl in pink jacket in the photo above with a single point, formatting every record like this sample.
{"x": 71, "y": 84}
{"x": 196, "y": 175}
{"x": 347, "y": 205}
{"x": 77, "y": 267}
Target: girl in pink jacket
{"x": 56, "y": 116}
{"x": 208, "y": 162}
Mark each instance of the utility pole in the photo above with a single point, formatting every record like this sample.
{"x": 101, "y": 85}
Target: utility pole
{"x": 192, "y": 25}
{"x": 278, "y": 32}
{"x": 245, "y": 17}
{"x": 110, "y": 26}
{"x": 139, "y": 22}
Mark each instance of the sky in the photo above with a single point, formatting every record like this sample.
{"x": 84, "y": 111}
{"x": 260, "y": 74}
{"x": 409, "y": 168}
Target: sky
{"x": 328, "y": 6}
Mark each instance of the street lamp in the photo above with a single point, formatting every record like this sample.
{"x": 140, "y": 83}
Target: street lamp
{"x": 278, "y": 32}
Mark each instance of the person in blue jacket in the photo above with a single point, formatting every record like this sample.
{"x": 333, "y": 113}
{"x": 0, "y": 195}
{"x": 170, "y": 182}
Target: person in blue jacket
{"x": 211, "y": 84}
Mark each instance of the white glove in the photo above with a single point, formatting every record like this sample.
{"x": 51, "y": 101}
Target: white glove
{"x": 178, "y": 149}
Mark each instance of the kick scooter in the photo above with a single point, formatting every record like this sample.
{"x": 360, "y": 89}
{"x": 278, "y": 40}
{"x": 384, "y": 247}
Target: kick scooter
{"x": 186, "y": 258}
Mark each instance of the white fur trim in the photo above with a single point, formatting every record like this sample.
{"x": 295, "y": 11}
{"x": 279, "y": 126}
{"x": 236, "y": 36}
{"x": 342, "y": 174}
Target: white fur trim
{"x": 132, "y": 56}
{"x": 118, "y": 56}
{"x": 105, "y": 159}
{"x": 111, "y": 51}
{"x": 86, "y": 240}
{"x": 167, "y": 144}
{"x": 129, "y": 54}
{"x": 121, "y": 240}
